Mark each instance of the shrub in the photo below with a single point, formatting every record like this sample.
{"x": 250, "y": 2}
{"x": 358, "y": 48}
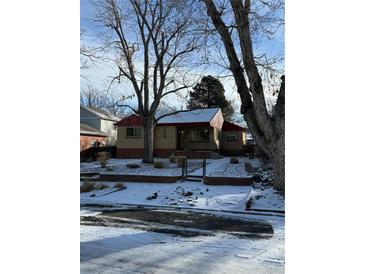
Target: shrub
{"x": 103, "y": 158}
{"x": 180, "y": 160}
{"x": 119, "y": 185}
{"x": 133, "y": 165}
{"x": 172, "y": 158}
{"x": 99, "y": 186}
{"x": 87, "y": 186}
{"x": 256, "y": 177}
{"x": 157, "y": 164}
{"x": 233, "y": 160}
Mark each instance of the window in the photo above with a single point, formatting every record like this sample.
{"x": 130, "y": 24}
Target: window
{"x": 164, "y": 133}
{"x": 200, "y": 135}
{"x": 231, "y": 137}
{"x": 134, "y": 132}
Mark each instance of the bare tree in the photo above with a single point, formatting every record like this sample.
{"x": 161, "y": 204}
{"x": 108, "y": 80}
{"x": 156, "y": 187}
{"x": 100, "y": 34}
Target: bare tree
{"x": 152, "y": 40}
{"x": 103, "y": 99}
{"x": 88, "y": 55}
{"x": 268, "y": 130}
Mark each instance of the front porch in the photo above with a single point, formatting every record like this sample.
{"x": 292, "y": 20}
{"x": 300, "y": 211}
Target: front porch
{"x": 194, "y": 139}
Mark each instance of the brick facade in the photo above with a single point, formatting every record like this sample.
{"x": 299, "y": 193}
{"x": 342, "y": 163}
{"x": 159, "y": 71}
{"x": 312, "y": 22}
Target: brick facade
{"x": 86, "y": 141}
{"x": 139, "y": 178}
{"x": 228, "y": 181}
{"x": 125, "y": 153}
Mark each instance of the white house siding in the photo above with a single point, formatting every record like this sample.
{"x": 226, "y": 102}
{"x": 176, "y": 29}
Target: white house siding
{"x": 109, "y": 128}
{"x": 90, "y": 119}
{"x": 106, "y": 126}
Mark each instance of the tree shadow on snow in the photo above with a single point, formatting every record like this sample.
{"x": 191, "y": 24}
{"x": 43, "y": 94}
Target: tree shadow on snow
{"x": 98, "y": 248}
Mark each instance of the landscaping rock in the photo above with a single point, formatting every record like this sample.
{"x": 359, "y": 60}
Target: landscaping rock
{"x": 153, "y": 196}
{"x": 234, "y": 160}
{"x": 188, "y": 193}
{"x": 133, "y": 165}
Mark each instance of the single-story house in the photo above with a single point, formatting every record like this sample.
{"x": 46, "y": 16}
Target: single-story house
{"x": 101, "y": 121}
{"x": 233, "y": 139}
{"x": 195, "y": 133}
{"x": 89, "y": 136}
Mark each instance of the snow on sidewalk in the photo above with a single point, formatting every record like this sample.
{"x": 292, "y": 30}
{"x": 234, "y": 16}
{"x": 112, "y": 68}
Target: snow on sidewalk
{"x": 127, "y": 250}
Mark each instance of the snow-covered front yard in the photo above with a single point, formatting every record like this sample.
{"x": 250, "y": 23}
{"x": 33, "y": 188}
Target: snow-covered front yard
{"x": 119, "y": 166}
{"x": 176, "y": 194}
{"x": 184, "y": 193}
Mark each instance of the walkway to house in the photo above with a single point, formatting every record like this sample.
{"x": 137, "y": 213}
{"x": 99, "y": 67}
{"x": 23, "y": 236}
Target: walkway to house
{"x": 223, "y": 168}
{"x": 212, "y": 166}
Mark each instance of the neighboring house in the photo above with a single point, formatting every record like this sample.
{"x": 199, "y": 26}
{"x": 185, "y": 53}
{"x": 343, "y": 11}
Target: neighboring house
{"x": 101, "y": 121}
{"x": 195, "y": 133}
{"x": 89, "y": 136}
{"x": 233, "y": 139}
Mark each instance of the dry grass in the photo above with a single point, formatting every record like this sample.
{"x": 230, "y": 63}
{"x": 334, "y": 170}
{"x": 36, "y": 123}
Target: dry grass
{"x": 180, "y": 160}
{"x": 87, "y": 186}
{"x": 233, "y": 160}
{"x": 158, "y": 164}
{"x": 119, "y": 185}
{"x": 103, "y": 158}
{"x": 172, "y": 159}
{"x": 99, "y": 186}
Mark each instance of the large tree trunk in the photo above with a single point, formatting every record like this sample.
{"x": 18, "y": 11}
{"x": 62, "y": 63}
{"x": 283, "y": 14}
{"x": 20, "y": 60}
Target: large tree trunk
{"x": 267, "y": 131}
{"x": 148, "y": 130}
{"x": 278, "y": 161}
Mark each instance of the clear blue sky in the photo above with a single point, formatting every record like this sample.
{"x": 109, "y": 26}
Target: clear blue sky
{"x": 98, "y": 75}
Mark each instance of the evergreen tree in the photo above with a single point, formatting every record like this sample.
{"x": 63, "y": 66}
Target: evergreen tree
{"x": 210, "y": 93}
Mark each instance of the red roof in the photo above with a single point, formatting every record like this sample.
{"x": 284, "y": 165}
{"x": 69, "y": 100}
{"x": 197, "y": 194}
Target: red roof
{"x": 133, "y": 120}
{"x": 231, "y": 126}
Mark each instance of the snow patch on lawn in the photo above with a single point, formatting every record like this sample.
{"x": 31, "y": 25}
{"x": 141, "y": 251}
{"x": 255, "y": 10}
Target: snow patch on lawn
{"x": 267, "y": 198}
{"x": 184, "y": 193}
